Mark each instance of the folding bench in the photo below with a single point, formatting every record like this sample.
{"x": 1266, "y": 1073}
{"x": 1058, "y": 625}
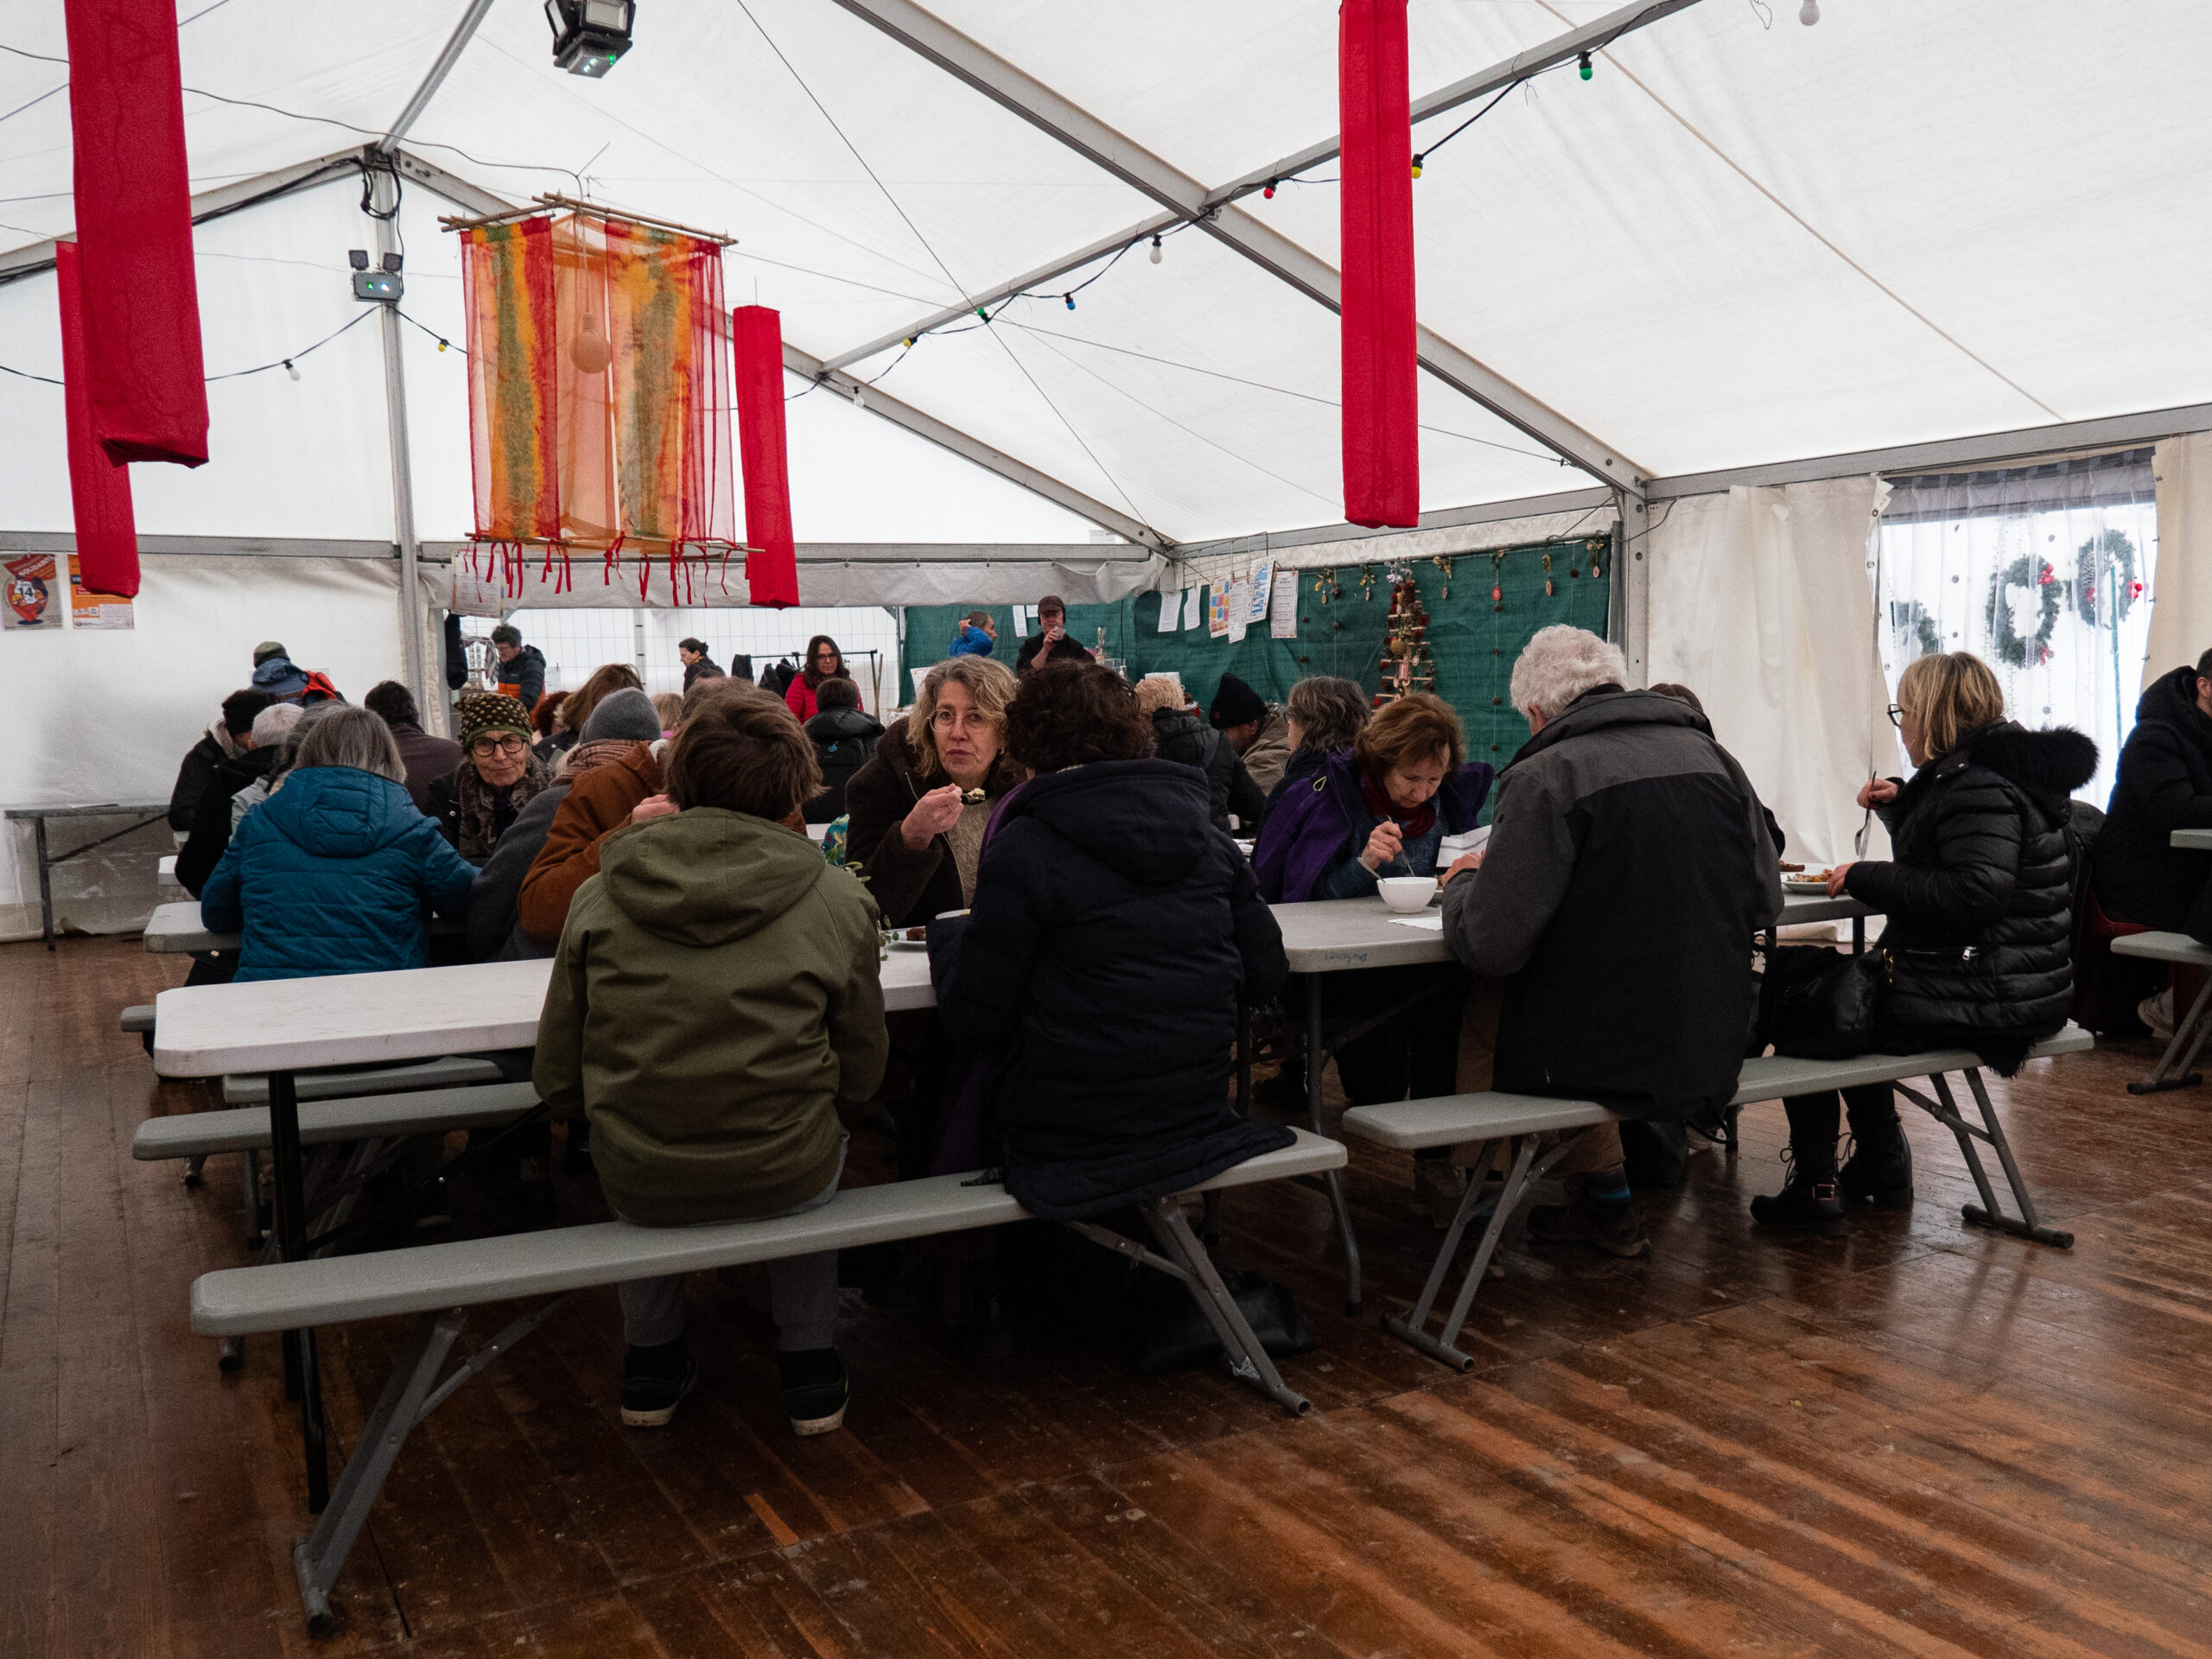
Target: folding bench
{"x": 451, "y": 1071}
{"x": 438, "y": 1282}
{"x": 1518, "y": 1121}
{"x": 2192, "y": 1031}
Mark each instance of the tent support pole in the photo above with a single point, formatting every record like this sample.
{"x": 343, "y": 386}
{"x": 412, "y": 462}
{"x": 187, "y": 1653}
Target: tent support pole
{"x": 403, "y": 471}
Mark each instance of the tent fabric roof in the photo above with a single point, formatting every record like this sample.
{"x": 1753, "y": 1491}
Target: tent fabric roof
{"x": 1736, "y": 243}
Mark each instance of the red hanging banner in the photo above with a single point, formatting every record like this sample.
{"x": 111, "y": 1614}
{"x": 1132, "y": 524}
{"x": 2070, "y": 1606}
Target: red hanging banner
{"x": 141, "y": 309}
{"x": 99, "y": 490}
{"x": 1380, "y": 396}
{"x": 771, "y": 568}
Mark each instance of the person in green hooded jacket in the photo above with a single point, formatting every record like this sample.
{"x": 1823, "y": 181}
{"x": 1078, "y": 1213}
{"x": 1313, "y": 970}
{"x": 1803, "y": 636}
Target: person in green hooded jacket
{"x": 716, "y": 994}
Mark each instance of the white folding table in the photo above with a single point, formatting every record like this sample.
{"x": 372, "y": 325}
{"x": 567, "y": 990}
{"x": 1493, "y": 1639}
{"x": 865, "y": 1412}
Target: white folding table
{"x": 282, "y": 1027}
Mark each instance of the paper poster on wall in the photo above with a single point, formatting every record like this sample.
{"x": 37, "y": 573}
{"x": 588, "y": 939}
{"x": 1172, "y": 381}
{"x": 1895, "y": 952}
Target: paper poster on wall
{"x": 1170, "y": 611}
{"x": 1194, "y": 608}
{"x": 91, "y": 609}
{"x": 30, "y": 593}
{"x": 1283, "y": 609}
{"x": 1216, "y": 611}
{"x": 477, "y": 592}
{"x": 1239, "y": 608}
{"x": 1263, "y": 587}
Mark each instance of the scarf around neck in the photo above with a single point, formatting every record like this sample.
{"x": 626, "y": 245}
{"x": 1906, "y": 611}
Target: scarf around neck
{"x": 1376, "y": 798}
{"x": 477, "y": 821}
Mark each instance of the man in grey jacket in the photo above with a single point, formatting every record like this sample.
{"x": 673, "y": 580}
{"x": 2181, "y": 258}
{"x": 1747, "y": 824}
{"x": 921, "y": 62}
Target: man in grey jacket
{"x": 1628, "y": 868}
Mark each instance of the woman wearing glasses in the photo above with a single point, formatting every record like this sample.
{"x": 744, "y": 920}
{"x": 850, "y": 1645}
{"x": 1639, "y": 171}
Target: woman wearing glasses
{"x": 331, "y": 874}
{"x": 496, "y": 776}
{"x": 1978, "y": 925}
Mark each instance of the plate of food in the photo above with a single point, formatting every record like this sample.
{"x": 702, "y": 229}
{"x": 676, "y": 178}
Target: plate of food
{"x": 907, "y": 939}
{"x": 1805, "y": 883}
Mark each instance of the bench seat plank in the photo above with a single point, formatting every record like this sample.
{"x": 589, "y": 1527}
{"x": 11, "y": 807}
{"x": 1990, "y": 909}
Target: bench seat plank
{"x": 1778, "y": 1076}
{"x": 2164, "y": 947}
{"x": 239, "y": 1301}
{"x": 1449, "y": 1119}
{"x": 450, "y": 1071}
{"x": 431, "y": 1111}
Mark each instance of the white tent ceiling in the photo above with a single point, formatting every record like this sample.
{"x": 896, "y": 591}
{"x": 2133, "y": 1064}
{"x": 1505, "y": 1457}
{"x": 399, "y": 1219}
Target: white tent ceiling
{"x": 1735, "y": 244}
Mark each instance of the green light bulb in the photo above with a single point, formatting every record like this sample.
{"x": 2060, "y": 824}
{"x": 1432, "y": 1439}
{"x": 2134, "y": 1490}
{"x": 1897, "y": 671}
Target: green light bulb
{"x": 1587, "y": 70}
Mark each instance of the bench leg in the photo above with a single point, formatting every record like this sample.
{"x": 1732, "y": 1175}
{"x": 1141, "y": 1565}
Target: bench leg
{"x": 193, "y": 1167}
{"x": 1414, "y": 1328}
{"x": 1247, "y": 1360}
{"x": 1988, "y": 1212}
{"x": 321, "y": 1556}
{"x": 257, "y": 1222}
{"x": 1332, "y": 1181}
{"x": 2192, "y": 1031}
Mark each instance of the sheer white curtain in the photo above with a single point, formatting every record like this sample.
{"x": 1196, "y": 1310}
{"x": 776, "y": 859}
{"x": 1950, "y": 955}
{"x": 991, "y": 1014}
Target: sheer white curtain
{"x": 2044, "y": 573}
{"x": 2181, "y": 617}
{"x": 1761, "y": 603}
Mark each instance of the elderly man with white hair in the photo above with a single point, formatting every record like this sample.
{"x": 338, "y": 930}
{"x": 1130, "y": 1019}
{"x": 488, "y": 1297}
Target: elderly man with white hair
{"x": 1628, "y": 866}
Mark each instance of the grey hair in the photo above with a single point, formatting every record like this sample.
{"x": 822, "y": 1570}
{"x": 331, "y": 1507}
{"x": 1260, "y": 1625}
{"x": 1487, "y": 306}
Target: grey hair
{"x": 351, "y": 737}
{"x": 274, "y": 724}
{"x": 1559, "y": 664}
{"x": 1330, "y": 712}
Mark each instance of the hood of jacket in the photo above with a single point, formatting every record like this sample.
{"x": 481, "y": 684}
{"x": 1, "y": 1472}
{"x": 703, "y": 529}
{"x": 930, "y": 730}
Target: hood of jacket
{"x": 2045, "y": 766}
{"x": 897, "y": 754}
{"x": 2170, "y": 700}
{"x": 1604, "y": 708}
{"x": 706, "y": 876}
{"x": 1146, "y": 820}
{"x": 1174, "y": 722}
{"x": 842, "y": 722}
{"x": 279, "y": 678}
{"x": 341, "y": 811}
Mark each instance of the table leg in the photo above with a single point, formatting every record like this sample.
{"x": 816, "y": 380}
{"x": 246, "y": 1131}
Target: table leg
{"x": 1858, "y": 936}
{"x": 1317, "y": 1056}
{"x": 291, "y": 1245}
{"x": 45, "y": 885}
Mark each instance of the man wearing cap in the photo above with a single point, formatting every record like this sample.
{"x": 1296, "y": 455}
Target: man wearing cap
{"x": 1255, "y": 729}
{"x": 274, "y": 676}
{"x": 1051, "y": 642}
{"x": 496, "y": 776}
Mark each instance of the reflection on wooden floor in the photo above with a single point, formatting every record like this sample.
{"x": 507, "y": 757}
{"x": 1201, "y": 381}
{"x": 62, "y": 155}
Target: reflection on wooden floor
{"x": 1919, "y": 1439}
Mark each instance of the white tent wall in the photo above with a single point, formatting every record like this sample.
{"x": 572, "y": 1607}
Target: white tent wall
{"x": 1761, "y": 603}
{"x": 108, "y": 716}
{"x": 2181, "y": 589}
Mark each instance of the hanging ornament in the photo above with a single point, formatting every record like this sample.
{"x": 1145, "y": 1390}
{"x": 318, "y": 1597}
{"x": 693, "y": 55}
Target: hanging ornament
{"x": 1408, "y": 664}
{"x": 1549, "y": 590}
{"x": 1497, "y": 580}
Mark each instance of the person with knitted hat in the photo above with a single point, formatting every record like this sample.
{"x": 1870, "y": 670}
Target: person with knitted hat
{"x": 1255, "y": 728}
{"x": 496, "y": 776}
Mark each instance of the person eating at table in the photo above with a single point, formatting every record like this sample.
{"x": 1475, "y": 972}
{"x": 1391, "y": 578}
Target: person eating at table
{"x": 334, "y": 871}
{"x": 475, "y": 804}
{"x": 1323, "y": 715}
{"x": 918, "y": 808}
{"x": 716, "y": 994}
{"x": 1254, "y": 728}
{"x": 1627, "y": 869}
{"x": 1978, "y": 928}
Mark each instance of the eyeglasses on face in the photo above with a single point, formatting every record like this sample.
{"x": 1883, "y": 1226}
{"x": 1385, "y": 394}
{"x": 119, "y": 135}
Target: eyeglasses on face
{"x": 1896, "y": 716}
{"x": 507, "y": 745}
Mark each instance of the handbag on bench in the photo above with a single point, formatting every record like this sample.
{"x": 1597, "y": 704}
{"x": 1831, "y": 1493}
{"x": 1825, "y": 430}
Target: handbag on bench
{"x": 1817, "y": 1005}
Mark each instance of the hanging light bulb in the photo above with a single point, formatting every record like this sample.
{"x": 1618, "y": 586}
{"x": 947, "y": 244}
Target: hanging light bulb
{"x": 1583, "y": 60}
{"x": 1069, "y": 298}
{"x": 1270, "y": 193}
{"x": 1155, "y": 250}
{"x": 290, "y": 369}
{"x": 1809, "y": 13}
{"x": 1416, "y": 166}
{"x": 589, "y": 351}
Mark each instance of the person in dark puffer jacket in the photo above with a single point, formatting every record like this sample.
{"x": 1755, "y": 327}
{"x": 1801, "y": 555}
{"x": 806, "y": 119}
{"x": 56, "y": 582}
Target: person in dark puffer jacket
{"x": 844, "y": 740}
{"x": 1113, "y": 1083}
{"x": 2164, "y": 784}
{"x": 1179, "y": 735}
{"x": 1979, "y": 927}
{"x": 332, "y": 873}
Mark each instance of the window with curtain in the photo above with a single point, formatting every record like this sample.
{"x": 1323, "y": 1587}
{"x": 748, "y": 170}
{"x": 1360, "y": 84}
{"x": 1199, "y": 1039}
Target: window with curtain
{"x": 2044, "y": 572}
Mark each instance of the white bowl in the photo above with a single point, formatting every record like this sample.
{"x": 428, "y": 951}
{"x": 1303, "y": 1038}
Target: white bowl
{"x": 1408, "y": 893}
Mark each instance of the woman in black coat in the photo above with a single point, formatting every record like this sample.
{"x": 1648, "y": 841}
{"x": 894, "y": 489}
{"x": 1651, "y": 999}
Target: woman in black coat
{"x": 1112, "y": 930}
{"x": 1979, "y": 930}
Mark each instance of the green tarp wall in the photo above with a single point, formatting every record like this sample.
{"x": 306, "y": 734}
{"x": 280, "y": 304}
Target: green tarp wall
{"x": 1474, "y": 639}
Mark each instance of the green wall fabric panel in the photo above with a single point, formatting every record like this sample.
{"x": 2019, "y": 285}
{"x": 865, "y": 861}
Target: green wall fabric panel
{"x": 1475, "y": 642}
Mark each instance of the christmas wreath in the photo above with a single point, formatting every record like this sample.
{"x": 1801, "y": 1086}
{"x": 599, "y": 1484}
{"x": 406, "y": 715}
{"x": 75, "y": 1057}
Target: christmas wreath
{"x": 2097, "y": 557}
{"x": 2011, "y": 648}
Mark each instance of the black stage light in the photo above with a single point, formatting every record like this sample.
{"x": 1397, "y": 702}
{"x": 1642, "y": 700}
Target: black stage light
{"x": 589, "y": 34}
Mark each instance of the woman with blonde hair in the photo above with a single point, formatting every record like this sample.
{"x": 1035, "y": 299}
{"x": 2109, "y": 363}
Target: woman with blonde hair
{"x": 1979, "y": 928}
{"x": 918, "y": 808}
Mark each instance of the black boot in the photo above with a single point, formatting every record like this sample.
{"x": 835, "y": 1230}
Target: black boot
{"x": 1806, "y": 1203}
{"x": 1879, "y": 1169}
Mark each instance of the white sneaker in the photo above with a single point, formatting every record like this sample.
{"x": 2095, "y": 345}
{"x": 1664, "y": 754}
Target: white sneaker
{"x": 2157, "y": 1012}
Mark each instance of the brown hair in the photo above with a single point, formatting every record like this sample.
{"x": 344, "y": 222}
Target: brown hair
{"x": 1072, "y": 714}
{"x": 608, "y": 677}
{"x": 669, "y": 705}
{"x": 815, "y": 676}
{"x": 547, "y": 716}
{"x": 743, "y": 754}
{"x": 1953, "y": 696}
{"x": 990, "y": 683}
{"x": 979, "y": 618}
{"x": 1413, "y": 728}
{"x": 1331, "y": 712}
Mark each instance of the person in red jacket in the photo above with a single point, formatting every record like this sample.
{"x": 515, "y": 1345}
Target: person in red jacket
{"x": 824, "y": 662}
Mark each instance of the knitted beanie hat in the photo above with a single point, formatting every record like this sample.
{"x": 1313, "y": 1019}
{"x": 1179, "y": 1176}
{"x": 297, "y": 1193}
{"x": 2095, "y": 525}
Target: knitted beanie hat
{"x": 626, "y": 712}
{"x": 1236, "y": 704}
{"x": 488, "y": 711}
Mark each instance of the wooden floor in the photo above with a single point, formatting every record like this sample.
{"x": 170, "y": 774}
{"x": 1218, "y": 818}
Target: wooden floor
{"x": 1920, "y": 1439}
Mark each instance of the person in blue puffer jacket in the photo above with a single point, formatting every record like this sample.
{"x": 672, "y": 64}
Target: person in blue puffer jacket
{"x": 975, "y": 636}
{"x": 333, "y": 873}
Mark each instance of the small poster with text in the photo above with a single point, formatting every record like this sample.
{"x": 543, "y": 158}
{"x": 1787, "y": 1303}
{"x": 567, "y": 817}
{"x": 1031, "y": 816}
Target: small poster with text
{"x": 30, "y": 594}
{"x": 89, "y": 608}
